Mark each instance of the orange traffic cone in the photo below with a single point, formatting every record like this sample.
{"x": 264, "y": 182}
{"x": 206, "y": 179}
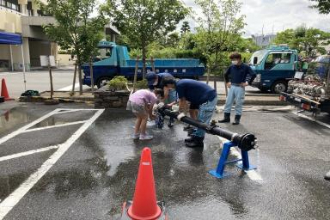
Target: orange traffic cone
{"x": 4, "y": 91}
{"x": 144, "y": 205}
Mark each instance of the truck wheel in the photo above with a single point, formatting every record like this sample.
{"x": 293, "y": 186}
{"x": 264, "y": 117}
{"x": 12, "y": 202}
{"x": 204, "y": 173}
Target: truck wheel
{"x": 103, "y": 81}
{"x": 279, "y": 86}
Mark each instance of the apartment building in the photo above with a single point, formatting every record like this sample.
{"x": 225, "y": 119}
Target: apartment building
{"x": 22, "y": 40}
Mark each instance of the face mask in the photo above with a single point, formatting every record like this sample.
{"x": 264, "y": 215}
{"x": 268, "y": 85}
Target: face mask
{"x": 234, "y": 62}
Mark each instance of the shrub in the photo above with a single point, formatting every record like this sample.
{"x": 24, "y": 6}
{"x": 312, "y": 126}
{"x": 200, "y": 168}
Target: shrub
{"x": 142, "y": 84}
{"x": 118, "y": 83}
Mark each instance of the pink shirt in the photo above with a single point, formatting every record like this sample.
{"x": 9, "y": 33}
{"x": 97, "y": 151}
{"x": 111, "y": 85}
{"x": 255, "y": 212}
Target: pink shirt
{"x": 142, "y": 97}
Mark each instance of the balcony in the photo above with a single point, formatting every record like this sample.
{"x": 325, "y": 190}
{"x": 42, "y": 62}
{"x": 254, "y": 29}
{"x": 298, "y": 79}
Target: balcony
{"x": 37, "y": 20}
{"x": 32, "y": 26}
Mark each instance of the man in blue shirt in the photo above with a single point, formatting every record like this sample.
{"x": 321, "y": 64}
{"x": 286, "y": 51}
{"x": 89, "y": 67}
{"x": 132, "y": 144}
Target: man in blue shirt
{"x": 156, "y": 81}
{"x": 197, "y": 94}
{"x": 237, "y": 77}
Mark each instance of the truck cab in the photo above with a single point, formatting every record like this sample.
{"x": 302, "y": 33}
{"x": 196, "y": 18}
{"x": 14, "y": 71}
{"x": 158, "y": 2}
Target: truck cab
{"x": 274, "y": 67}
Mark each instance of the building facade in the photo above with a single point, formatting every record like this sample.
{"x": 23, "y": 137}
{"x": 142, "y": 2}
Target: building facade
{"x": 24, "y": 18}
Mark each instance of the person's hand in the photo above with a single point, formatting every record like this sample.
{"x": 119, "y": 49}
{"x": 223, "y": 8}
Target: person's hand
{"x": 160, "y": 105}
{"x": 244, "y": 84}
{"x": 228, "y": 85}
{"x": 155, "y": 109}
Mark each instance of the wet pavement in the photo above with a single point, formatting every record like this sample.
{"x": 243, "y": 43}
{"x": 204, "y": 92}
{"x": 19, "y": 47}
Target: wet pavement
{"x": 97, "y": 173}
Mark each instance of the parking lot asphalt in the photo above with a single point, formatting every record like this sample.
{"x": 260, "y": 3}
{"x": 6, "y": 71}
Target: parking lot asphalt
{"x": 97, "y": 172}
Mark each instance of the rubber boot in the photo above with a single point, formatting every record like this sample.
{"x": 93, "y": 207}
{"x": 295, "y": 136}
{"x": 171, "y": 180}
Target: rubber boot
{"x": 171, "y": 122}
{"x": 226, "y": 118}
{"x": 197, "y": 142}
{"x": 327, "y": 176}
{"x": 237, "y": 120}
{"x": 188, "y": 127}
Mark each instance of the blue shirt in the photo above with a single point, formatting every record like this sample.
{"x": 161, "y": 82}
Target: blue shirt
{"x": 240, "y": 74}
{"x": 160, "y": 85}
{"x": 194, "y": 91}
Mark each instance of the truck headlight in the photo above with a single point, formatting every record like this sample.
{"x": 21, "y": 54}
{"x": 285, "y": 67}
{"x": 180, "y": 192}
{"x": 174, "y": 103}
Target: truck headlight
{"x": 258, "y": 78}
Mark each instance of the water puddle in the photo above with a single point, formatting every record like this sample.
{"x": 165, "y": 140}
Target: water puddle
{"x": 14, "y": 118}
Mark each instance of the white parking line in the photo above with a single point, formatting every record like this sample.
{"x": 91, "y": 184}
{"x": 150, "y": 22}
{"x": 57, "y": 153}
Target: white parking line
{"x": 252, "y": 174}
{"x": 11, "y": 201}
{"x": 22, "y": 129}
{"x": 311, "y": 119}
{"x": 54, "y": 126}
{"x": 26, "y": 153}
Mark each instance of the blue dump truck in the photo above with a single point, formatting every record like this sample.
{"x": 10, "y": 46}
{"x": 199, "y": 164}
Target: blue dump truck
{"x": 114, "y": 61}
{"x": 274, "y": 67}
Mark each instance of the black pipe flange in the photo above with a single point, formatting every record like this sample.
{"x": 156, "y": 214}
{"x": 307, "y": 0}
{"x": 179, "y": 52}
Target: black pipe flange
{"x": 247, "y": 142}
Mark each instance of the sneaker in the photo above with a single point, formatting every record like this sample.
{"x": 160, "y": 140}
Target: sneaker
{"x": 151, "y": 124}
{"x": 146, "y": 137}
{"x": 135, "y": 136}
{"x": 327, "y": 176}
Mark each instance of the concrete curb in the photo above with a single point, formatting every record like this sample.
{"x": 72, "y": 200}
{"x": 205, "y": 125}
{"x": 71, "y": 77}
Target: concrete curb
{"x": 261, "y": 100}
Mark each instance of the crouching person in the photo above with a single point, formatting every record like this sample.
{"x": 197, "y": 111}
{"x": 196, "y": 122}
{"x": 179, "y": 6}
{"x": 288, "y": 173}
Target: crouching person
{"x": 141, "y": 103}
{"x": 198, "y": 94}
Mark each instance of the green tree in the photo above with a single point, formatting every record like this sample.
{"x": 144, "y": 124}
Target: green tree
{"x": 145, "y": 21}
{"x": 306, "y": 40}
{"x": 74, "y": 29}
{"x": 185, "y": 27}
{"x": 322, "y": 5}
{"x": 220, "y": 28}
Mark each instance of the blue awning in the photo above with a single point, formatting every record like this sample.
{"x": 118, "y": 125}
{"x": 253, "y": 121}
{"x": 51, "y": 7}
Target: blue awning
{"x": 10, "y": 38}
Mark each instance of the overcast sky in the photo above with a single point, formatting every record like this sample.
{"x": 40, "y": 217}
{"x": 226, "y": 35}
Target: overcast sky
{"x": 277, "y": 14}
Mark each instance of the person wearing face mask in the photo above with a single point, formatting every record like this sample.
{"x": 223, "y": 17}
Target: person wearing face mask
{"x": 237, "y": 77}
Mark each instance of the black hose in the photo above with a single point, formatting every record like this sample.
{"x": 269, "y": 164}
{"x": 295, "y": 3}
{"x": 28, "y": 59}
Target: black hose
{"x": 245, "y": 142}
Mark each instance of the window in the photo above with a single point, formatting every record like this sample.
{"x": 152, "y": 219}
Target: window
{"x": 10, "y": 4}
{"x": 104, "y": 53}
{"x": 259, "y": 55}
{"x": 3, "y": 3}
{"x": 29, "y": 9}
{"x": 274, "y": 59}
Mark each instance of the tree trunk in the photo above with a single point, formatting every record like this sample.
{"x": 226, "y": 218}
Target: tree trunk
{"x": 215, "y": 78}
{"x": 80, "y": 77}
{"x": 92, "y": 74}
{"x": 153, "y": 65}
{"x": 51, "y": 80}
{"x": 144, "y": 60}
{"x": 135, "y": 73}
{"x": 74, "y": 78}
{"x": 208, "y": 74}
{"x": 226, "y": 88}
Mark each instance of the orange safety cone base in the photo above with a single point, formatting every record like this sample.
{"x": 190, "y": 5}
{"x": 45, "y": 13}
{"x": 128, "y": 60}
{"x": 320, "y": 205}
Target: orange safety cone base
{"x": 144, "y": 206}
{"x": 155, "y": 215}
{"x": 127, "y": 205}
{"x": 4, "y": 91}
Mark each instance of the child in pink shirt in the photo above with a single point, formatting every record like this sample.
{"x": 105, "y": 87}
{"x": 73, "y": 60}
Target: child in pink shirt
{"x": 141, "y": 103}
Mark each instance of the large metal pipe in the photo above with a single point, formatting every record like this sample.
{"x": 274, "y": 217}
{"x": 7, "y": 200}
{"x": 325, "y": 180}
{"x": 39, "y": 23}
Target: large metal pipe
{"x": 245, "y": 142}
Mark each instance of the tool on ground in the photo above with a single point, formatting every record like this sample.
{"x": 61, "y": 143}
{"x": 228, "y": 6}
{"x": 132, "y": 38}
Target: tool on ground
{"x": 245, "y": 142}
